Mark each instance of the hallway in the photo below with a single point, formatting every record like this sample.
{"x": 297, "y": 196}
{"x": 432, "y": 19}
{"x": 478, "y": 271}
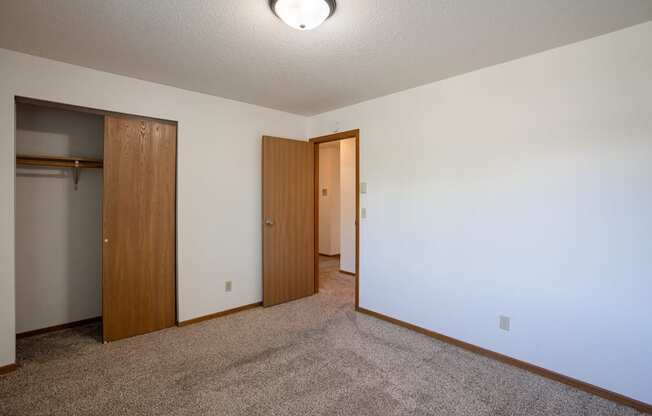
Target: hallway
{"x": 335, "y": 283}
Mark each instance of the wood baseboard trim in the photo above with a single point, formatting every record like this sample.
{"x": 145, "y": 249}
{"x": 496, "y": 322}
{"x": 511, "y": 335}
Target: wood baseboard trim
{"x": 220, "y": 314}
{"x": 345, "y": 272}
{"x": 5, "y": 369}
{"x": 328, "y": 255}
{"x": 58, "y": 327}
{"x": 569, "y": 381}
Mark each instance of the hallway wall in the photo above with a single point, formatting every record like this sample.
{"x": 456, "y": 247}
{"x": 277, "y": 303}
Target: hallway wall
{"x": 329, "y": 198}
{"x": 347, "y": 205}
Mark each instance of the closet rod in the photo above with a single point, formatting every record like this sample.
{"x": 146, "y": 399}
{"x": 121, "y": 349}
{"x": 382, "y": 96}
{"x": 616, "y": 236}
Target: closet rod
{"x": 77, "y": 163}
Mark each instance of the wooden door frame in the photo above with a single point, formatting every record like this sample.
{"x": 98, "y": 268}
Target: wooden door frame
{"x": 316, "y": 141}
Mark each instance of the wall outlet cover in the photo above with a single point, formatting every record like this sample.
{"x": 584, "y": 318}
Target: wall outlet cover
{"x": 227, "y": 286}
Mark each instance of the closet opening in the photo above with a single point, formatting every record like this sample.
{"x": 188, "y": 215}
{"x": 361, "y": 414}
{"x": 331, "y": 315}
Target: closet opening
{"x": 336, "y": 219}
{"x": 58, "y": 205}
{"x": 95, "y": 224}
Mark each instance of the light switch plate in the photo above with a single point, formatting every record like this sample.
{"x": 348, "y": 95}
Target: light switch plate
{"x": 363, "y": 212}
{"x": 504, "y": 323}
{"x": 363, "y": 187}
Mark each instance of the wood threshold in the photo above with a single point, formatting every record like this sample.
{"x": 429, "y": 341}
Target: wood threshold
{"x": 328, "y": 255}
{"x": 345, "y": 272}
{"x": 569, "y": 381}
{"x": 58, "y": 327}
{"x": 219, "y": 314}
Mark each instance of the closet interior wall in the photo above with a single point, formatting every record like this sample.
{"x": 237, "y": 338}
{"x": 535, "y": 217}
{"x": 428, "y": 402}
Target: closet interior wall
{"x": 58, "y": 228}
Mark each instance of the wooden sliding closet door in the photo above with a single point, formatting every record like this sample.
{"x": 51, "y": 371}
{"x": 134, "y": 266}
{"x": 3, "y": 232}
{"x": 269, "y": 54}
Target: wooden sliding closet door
{"x": 288, "y": 220}
{"x": 139, "y": 227}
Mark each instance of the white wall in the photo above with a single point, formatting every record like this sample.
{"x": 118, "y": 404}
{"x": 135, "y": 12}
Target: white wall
{"x": 347, "y": 205}
{"x": 523, "y": 189}
{"x": 329, "y": 203}
{"x": 58, "y": 253}
{"x": 219, "y": 227}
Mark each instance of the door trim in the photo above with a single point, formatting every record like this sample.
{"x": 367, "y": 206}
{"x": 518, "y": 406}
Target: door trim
{"x": 316, "y": 141}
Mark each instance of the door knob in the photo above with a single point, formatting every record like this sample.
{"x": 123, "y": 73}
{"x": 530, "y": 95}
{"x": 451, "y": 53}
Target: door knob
{"x": 269, "y": 221}
{"x": 106, "y": 240}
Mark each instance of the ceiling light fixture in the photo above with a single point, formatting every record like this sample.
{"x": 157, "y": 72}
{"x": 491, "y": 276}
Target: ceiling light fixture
{"x": 303, "y": 14}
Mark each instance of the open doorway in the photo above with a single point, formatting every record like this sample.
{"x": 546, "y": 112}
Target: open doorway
{"x": 336, "y": 214}
{"x": 58, "y": 223}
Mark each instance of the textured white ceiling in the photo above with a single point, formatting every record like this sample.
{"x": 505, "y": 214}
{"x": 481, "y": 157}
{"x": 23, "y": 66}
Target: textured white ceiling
{"x": 238, "y": 49}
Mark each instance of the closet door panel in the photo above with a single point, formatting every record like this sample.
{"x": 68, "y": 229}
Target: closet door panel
{"x": 139, "y": 257}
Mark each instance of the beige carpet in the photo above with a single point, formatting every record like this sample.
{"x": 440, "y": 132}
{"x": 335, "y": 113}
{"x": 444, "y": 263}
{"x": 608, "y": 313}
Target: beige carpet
{"x": 315, "y": 356}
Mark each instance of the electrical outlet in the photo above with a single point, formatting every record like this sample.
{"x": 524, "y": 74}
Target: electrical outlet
{"x": 363, "y": 212}
{"x": 363, "y": 187}
{"x": 227, "y": 286}
{"x": 504, "y": 323}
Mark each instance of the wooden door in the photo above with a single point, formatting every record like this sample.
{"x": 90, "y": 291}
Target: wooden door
{"x": 139, "y": 227}
{"x": 288, "y": 220}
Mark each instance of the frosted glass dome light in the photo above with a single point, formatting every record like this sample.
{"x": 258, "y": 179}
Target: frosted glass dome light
{"x": 303, "y": 14}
